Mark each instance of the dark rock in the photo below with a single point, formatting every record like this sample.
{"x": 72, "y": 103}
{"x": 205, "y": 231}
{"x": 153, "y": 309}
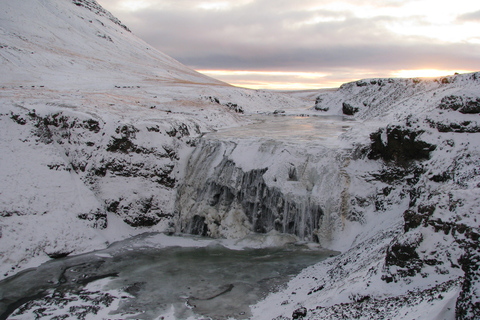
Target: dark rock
{"x": 97, "y": 9}
{"x": 348, "y": 109}
{"x": 361, "y": 83}
{"x": 412, "y": 220}
{"x": 316, "y": 289}
{"x": 92, "y": 125}
{"x": 135, "y": 220}
{"x": 142, "y": 213}
{"x": 400, "y": 255}
{"x": 97, "y": 219}
{"x": 213, "y": 99}
{"x": 402, "y": 145}
{"x": 468, "y": 301}
{"x": 443, "y": 177}
{"x": 300, "y": 313}
{"x": 181, "y": 130}
{"x": 403, "y": 254}
{"x": 198, "y": 226}
{"x": 18, "y": 119}
{"x": 112, "y": 206}
{"x": 450, "y": 126}
{"x": 234, "y": 107}
{"x": 462, "y": 104}
{"x": 387, "y": 278}
{"x": 123, "y": 145}
{"x": 127, "y": 130}
{"x": 58, "y": 254}
{"x": 153, "y": 129}
{"x": 318, "y": 104}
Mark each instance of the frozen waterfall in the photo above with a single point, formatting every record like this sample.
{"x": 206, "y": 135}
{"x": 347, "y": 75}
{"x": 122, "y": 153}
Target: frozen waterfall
{"x": 241, "y": 181}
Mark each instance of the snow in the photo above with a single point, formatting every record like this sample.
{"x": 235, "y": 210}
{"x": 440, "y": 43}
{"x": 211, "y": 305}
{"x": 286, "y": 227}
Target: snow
{"x": 98, "y": 132}
{"x": 357, "y": 272}
{"x": 57, "y": 58}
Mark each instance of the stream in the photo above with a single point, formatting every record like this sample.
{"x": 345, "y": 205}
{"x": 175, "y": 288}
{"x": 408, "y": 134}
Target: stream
{"x": 154, "y": 275}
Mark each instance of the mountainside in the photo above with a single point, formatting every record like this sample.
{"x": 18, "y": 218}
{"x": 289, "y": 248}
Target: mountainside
{"x": 78, "y": 44}
{"x": 95, "y": 129}
{"x": 412, "y": 226}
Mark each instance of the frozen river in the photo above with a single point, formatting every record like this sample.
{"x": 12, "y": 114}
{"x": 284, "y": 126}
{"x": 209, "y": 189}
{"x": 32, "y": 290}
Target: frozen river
{"x": 322, "y": 130}
{"x": 148, "y": 276}
{"x": 154, "y": 276}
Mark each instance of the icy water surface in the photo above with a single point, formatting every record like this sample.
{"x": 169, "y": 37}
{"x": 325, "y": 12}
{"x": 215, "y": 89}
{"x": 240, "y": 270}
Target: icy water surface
{"x": 321, "y": 129}
{"x": 135, "y": 280}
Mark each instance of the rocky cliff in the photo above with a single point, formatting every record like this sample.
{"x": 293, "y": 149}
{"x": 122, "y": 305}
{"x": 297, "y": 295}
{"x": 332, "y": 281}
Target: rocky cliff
{"x": 424, "y": 261}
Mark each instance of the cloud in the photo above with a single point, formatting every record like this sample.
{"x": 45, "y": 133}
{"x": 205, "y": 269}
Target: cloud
{"x": 310, "y": 35}
{"x": 471, "y": 17}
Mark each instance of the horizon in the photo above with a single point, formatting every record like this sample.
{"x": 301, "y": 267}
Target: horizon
{"x": 262, "y": 44}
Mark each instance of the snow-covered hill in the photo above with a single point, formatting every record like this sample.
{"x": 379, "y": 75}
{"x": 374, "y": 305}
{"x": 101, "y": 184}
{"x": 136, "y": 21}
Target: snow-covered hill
{"x": 413, "y": 207}
{"x": 78, "y": 44}
{"x": 95, "y": 128}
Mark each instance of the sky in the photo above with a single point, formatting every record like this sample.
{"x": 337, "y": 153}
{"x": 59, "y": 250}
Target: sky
{"x": 309, "y": 44}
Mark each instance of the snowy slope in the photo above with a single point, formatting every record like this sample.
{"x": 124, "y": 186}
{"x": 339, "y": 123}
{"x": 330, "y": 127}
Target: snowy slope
{"x": 95, "y": 128}
{"x": 411, "y": 251}
{"x": 74, "y": 44}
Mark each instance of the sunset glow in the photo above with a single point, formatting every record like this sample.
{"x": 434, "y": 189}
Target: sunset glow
{"x": 426, "y": 73}
{"x": 277, "y": 80}
{"x": 274, "y": 80}
{"x": 311, "y": 44}
{"x": 311, "y": 75}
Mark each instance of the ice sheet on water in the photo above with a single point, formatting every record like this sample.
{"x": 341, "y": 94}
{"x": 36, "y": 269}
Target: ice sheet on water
{"x": 299, "y": 129}
{"x": 192, "y": 275}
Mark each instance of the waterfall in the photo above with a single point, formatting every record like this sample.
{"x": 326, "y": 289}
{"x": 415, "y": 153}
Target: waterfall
{"x": 233, "y": 188}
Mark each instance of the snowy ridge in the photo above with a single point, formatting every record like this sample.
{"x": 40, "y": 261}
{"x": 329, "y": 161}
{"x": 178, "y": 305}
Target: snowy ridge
{"x": 371, "y": 98}
{"x": 99, "y": 10}
{"x": 70, "y": 43}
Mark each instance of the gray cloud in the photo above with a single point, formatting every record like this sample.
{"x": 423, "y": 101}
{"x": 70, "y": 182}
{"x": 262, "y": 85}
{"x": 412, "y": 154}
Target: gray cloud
{"x": 284, "y": 35}
{"x": 471, "y": 16}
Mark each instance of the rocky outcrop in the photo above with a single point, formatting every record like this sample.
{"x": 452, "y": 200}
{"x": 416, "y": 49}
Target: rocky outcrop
{"x": 348, "y": 109}
{"x": 370, "y": 98}
{"x": 99, "y": 156}
{"x": 93, "y": 6}
{"x": 461, "y": 103}
{"x": 399, "y": 144}
{"x": 437, "y": 239}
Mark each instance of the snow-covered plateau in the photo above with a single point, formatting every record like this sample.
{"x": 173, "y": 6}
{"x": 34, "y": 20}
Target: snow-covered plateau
{"x": 104, "y": 138}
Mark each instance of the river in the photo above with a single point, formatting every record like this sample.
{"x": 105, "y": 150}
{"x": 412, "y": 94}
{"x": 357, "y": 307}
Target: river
{"x": 156, "y": 275}
{"x": 178, "y": 277}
